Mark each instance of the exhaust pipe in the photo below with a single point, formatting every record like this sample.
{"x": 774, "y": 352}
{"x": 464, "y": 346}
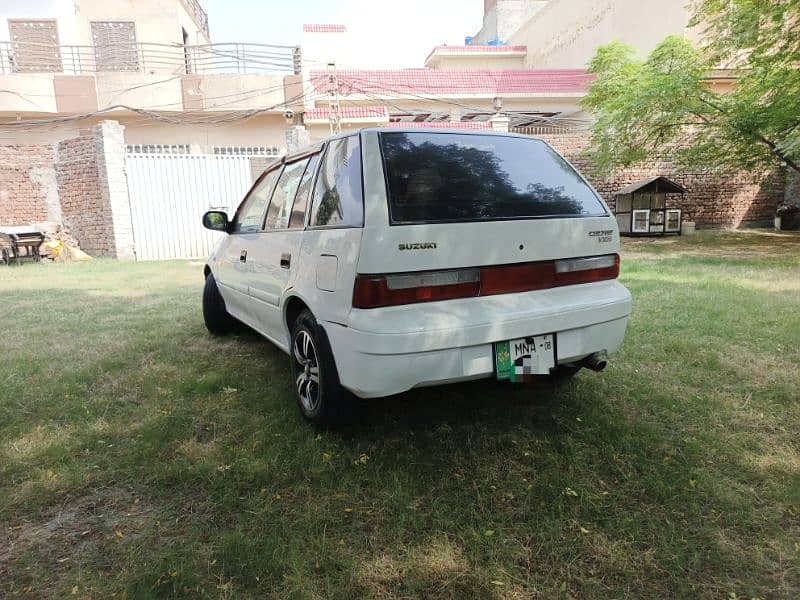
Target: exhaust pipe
{"x": 595, "y": 362}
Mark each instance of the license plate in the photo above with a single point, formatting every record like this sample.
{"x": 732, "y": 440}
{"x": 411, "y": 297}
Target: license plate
{"x": 534, "y": 355}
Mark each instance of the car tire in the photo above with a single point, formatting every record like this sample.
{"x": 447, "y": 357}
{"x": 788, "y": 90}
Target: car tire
{"x": 319, "y": 394}
{"x": 215, "y": 315}
{"x": 563, "y": 373}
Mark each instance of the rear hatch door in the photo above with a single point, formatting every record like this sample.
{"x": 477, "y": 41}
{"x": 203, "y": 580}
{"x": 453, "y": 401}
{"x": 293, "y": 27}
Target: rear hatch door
{"x": 453, "y": 200}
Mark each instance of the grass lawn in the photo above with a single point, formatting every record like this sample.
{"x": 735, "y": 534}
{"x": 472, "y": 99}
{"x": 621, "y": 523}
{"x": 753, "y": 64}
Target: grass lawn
{"x": 140, "y": 457}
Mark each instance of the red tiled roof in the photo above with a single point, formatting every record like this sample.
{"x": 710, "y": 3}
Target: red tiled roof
{"x": 323, "y": 28}
{"x": 434, "y": 82}
{"x": 442, "y": 124}
{"x": 349, "y": 112}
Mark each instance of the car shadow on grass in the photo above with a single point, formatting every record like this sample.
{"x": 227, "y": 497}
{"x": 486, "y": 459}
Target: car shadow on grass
{"x": 483, "y": 400}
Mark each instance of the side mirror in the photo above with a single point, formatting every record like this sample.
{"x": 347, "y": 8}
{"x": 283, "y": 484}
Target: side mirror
{"x": 216, "y": 220}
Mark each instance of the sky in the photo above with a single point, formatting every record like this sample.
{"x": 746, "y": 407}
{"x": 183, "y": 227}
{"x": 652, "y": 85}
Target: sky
{"x": 397, "y": 33}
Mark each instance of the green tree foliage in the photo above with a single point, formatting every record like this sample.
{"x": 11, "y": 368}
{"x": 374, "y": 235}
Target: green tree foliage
{"x": 642, "y": 105}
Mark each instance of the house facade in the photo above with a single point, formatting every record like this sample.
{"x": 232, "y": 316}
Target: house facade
{"x": 149, "y": 64}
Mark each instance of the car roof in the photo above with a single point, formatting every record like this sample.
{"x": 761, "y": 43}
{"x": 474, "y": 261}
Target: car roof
{"x": 457, "y": 130}
{"x": 319, "y": 145}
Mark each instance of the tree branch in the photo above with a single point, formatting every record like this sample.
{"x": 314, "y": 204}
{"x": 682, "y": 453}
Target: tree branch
{"x": 756, "y": 134}
{"x": 772, "y": 146}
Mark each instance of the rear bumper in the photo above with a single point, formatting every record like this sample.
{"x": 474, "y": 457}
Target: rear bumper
{"x": 391, "y": 350}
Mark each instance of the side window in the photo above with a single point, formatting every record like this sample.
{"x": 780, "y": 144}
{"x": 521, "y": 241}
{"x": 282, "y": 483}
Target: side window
{"x": 248, "y": 217}
{"x": 298, "y": 218}
{"x": 283, "y": 198}
{"x": 338, "y": 196}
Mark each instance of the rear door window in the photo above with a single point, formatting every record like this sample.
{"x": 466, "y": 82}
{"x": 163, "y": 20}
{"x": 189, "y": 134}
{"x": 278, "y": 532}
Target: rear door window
{"x": 282, "y": 199}
{"x": 250, "y": 215}
{"x": 447, "y": 177}
{"x": 338, "y": 194}
{"x": 298, "y": 218}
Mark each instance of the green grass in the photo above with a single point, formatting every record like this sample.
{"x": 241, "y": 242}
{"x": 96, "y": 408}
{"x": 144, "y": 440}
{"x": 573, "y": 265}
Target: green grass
{"x": 141, "y": 457}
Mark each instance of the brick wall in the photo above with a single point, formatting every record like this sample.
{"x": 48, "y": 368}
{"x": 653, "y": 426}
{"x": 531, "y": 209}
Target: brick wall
{"x": 82, "y": 206}
{"x": 93, "y": 190}
{"x": 715, "y": 200}
{"x": 26, "y": 187}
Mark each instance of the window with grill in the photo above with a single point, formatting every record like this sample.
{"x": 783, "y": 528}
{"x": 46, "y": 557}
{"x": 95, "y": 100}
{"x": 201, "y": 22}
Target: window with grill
{"x": 34, "y": 46}
{"x": 115, "y": 46}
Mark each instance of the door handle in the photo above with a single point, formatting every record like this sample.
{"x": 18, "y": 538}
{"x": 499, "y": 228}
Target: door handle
{"x": 243, "y": 256}
{"x": 286, "y": 260}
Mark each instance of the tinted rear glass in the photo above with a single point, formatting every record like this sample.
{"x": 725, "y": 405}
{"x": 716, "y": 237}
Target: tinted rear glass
{"x": 338, "y": 197}
{"x": 446, "y": 177}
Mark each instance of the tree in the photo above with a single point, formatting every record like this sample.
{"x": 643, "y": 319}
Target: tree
{"x": 642, "y": 106}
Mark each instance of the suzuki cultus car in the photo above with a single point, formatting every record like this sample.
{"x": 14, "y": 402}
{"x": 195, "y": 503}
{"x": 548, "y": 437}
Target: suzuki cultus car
{"x": 389, "y": 259}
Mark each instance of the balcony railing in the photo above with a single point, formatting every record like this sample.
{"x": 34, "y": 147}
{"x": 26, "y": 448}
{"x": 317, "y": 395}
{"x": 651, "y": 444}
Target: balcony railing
{"x": 197, "y": 12}
{"x": 23, "y": 57}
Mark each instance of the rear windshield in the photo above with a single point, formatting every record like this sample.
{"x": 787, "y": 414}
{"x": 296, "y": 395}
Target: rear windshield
{"x": 448, "y": 177}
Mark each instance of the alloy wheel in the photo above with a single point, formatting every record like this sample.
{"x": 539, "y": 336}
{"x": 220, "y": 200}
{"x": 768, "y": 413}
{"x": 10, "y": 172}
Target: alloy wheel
{"x": 304, "y": 354}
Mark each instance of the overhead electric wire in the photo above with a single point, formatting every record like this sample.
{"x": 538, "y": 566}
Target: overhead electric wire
{"x": 151, "y": 113}
{"x": 510, "y": 115}
{"x": 121, "y": 91}
{"x": 346, "y": 78}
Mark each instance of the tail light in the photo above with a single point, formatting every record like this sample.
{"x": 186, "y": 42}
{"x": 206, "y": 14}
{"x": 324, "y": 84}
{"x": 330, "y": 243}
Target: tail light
{"x": 374, "y": 291}
{"x": 572, "y": 271}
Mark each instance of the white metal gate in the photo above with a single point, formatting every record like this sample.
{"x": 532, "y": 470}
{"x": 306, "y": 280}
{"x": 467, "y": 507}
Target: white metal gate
{"x": 169, "y": 194}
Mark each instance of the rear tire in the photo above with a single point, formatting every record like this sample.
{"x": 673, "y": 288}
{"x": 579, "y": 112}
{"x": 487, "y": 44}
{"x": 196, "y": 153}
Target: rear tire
{"x": 319, "y": 394}
{"x": 215, "y": 315}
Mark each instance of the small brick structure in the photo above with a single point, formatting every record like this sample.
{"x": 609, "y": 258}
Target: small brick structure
{"x": 714, "y": 200}
{"x": 79, "y": 190}
{"x": 93, "y": 190}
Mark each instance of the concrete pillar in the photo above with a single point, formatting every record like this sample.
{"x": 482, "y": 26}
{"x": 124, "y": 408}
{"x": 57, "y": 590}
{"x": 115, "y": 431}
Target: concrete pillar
{"x": 297, "y": 136}
{"x": 500, "y": 123}
{"x": 109, "y": 141}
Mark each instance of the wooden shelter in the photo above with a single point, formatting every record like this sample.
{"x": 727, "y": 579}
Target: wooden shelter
{"x": 643, "y": 207}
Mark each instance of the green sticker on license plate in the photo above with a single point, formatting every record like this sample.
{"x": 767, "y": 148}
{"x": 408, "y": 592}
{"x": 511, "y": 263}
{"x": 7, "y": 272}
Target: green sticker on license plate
{"x": 505, "y": 368}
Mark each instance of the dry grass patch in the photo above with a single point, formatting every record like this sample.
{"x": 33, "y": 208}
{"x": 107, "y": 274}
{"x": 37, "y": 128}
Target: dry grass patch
{"x": 65, "y": 534}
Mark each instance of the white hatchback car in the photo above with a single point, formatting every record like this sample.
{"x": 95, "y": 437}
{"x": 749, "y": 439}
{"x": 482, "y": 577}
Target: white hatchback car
{"x": 389, "y": 259}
